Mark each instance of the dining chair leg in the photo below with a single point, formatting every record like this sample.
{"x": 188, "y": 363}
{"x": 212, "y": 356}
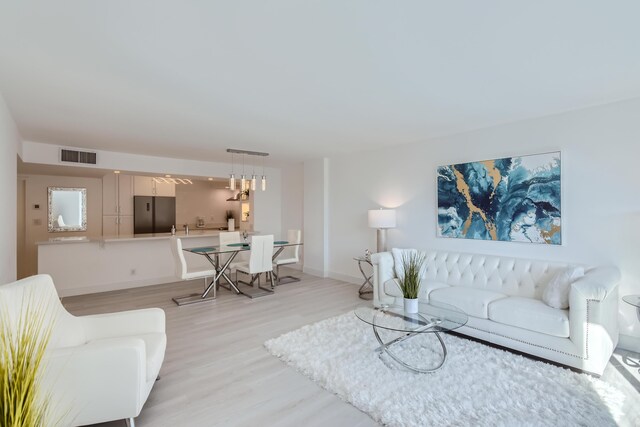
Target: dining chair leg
{"x": 271, "y": 278}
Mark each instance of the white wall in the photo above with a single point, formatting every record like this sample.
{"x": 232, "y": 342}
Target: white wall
{"x": 36, "y": 219}
{"x": 601, "y": 208}
{"x": 292, "y": 197}
{"x": 205, "y": 199}
{"x": 316, "y": 220}
{"x": 9, "y": 148}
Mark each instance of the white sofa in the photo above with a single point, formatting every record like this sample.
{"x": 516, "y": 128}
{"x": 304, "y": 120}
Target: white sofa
{"x": 502, "y": 297}
{"x": 97, "y": 368}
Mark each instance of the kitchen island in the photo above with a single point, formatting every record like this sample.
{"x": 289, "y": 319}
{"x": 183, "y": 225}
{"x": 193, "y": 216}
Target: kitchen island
{"x": 85, "y": 265}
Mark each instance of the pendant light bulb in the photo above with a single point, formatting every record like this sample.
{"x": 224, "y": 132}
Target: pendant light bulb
{"x": 264, "y": 183}
{"x": 243, "y": 182}
{"x": 232, "y": 182}
{"x": 253, "y": 182}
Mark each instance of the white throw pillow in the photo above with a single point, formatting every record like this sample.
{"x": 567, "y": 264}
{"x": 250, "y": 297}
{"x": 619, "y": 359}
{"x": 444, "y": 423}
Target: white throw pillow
{"x": 398, "y": 254}
{"x": 556, "y": 294}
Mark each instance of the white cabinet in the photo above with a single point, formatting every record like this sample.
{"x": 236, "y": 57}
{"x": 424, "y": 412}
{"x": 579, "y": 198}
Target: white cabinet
{"x": 147, "y": 186}
{"x": 110, "y": 194}
{"x": 143, "y": 186}
{"x": 114, "y": 225}
{"x": 125, "y": 195}
{"x": 125, "y": 225}
{"x": 117, "y": 194}
{"x": 165, "y": 189}
{"x": 110, "y": 225}
{"x": 117, "y": 204}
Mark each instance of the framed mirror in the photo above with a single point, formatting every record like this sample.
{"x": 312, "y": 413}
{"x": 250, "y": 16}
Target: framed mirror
{"x": 67, "y": 209}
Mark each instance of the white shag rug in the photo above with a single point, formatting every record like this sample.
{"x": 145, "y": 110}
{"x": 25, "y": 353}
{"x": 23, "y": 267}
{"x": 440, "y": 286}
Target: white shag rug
{"x": 477, "y": 386}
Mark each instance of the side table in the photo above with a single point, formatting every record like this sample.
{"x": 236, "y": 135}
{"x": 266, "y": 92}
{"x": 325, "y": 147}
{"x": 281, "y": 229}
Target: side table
{"x": 634, "y": 300}
{"x": 366, "y": 290}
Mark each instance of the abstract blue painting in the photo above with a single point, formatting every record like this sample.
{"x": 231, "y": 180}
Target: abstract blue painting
{"x": 515, "y": 199}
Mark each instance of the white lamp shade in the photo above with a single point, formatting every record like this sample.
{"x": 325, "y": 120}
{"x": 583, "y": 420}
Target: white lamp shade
{"x": 382, "y": 218}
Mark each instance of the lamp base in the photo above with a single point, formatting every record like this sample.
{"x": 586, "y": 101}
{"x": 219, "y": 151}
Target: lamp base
{"x": 382, "y": 240}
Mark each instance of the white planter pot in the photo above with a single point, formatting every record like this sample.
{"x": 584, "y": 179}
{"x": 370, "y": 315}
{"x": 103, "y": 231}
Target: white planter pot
{"x": 411, "y": 305}
{"x": 231, "y": 224}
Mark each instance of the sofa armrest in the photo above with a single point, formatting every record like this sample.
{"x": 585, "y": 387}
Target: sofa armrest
{"x": 382, "y": 271}
{"x": 99, "y": 381}
{"x": 593, "y": 315}
{"x": 124, "y": 323}
{"x": 597, "y": 283}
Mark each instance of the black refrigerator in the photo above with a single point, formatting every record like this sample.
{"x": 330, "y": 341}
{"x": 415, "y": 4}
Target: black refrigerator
{"x": 153, "y": 214}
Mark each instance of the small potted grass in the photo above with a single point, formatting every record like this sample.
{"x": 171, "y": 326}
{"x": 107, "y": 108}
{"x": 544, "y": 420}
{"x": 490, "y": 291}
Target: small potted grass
{"x": 23, "y": 344}
{"x": 409, "y": 284}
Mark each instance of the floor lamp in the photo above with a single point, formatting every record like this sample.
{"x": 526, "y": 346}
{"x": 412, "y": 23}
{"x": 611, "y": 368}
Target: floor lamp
{"x": 382, "y": 219}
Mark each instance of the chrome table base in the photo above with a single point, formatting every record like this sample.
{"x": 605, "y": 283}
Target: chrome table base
{"x": 366, "y": 289}
{"x": 386, "y": 348}
{"x": 215, "y": 283}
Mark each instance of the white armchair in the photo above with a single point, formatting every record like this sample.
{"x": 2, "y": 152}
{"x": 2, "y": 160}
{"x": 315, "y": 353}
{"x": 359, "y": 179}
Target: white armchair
{"x": 98, "y": 368}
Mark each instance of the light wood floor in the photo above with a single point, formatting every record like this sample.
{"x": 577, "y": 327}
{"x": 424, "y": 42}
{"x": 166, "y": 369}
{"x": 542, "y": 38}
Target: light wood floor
{"x": 216, "y": 371}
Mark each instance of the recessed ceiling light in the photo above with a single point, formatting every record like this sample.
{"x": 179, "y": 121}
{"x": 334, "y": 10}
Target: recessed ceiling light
{"x": 210, "y": 179}
{"x": 116, "y": 171}
{"x": 167, "y": 176}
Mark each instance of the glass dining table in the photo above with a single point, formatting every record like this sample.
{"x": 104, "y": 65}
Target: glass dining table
{"x": 213, "y": 255}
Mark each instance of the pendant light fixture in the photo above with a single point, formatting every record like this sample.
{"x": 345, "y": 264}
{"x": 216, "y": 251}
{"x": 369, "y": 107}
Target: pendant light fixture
{"x": 253, "y": 176}
{"x": 243, "y": 178}
{"x": 232, "y": 177}
{"x": 264, "y": 178}
{"x": 245, "y": 184}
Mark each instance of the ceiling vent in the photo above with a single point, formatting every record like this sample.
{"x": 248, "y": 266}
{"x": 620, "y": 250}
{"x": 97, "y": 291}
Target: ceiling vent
{"x": 75, "y": 156}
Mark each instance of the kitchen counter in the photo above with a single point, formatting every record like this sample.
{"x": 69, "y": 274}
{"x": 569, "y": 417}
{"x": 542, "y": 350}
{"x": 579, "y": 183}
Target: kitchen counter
{"x": 84, "y": 264}
{"x": 133, "y": 237}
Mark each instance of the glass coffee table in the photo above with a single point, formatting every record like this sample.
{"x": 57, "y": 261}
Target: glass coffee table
{"x": 432, "y": 318}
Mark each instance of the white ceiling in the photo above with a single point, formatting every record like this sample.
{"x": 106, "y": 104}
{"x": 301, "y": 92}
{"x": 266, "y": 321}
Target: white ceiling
{"x": 302, "y": 79}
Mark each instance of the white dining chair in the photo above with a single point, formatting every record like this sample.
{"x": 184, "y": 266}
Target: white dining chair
{"x": 227, "y": 238}
{"x": 289, "y": 255}
{"x": 183, "y": 272}
{"x": 259, "y": 260}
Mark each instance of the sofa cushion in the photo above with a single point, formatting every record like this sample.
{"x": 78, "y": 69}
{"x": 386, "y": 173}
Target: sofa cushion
{"x": 392, "y": 288}
{"x": 531, "y": 314}
{"x": 472, "y": 301}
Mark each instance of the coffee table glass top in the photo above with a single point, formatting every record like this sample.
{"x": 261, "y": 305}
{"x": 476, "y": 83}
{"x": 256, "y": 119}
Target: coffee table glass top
{"x": 432, "y": 317}
{"x": 632, "y": 299}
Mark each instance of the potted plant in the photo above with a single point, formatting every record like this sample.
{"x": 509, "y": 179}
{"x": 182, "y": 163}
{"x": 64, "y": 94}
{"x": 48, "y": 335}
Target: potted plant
{"x": 409, "y": 284}
{"x": 23, "y": 343}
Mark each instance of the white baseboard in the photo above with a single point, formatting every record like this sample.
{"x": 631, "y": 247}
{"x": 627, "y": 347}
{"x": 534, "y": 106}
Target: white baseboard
{"x": 628, "y": 342}
{"x": 95, "y": 289}
{"x": 314, "y": 272}
{"x": 356, "y": 280}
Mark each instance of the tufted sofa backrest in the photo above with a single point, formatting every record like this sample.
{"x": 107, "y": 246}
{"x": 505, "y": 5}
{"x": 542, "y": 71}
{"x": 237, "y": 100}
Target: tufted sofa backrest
{"x": 510, "y": 276}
